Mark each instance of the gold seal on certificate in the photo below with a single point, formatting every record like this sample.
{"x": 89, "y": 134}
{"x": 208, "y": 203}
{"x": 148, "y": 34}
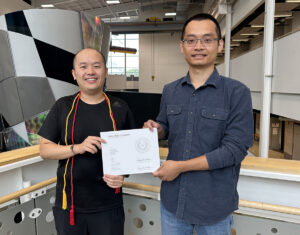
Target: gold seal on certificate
{"x": 130, "y": 151}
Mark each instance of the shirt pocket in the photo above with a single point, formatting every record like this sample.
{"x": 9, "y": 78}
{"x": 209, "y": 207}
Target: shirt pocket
{"x": 214, "y": 114}
{"x": 174, "y": 113}
{"x": 212, "y": 124}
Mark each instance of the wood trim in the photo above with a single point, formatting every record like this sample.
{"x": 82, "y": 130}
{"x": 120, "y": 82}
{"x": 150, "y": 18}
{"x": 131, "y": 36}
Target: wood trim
{"x": 270, "y": 207}
{"x": 251, "y": 163}
{"x": 272, "y": 164}
{"x": 144, "y": 187}
{"x": 19, "y": 154}
{"x": 156, "y": 189}
{"x": 27, "y": 190}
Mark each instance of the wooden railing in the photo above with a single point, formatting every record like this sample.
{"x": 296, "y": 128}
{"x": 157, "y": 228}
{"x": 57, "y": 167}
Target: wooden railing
{"x": 156, "y": 189}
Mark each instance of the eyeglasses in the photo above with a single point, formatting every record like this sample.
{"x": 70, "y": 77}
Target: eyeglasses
{"x": 206, "y": 42}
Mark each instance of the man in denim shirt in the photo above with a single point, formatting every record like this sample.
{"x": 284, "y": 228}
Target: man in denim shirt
{"x": 207, "y": 119}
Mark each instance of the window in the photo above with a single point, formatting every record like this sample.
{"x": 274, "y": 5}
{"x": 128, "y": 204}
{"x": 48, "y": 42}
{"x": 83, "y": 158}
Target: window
{"x": 124, "y": 63}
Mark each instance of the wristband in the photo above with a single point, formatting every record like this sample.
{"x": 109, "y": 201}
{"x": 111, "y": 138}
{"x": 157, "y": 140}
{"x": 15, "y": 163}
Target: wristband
{"x": 72, "y": 148}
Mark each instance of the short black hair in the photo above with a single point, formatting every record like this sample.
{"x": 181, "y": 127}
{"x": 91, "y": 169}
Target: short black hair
{"x": 199, "y": 17}
{"x": 103, "y": 57}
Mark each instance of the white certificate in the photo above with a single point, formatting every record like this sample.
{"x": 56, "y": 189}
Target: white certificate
{"x": 130, "y": 151}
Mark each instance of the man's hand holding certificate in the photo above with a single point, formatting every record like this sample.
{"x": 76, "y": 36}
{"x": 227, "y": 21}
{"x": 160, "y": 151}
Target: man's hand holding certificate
{"x": 130, "y": 151}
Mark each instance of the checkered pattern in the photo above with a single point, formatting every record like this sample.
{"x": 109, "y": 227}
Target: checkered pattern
{"x": 37, "y": 48}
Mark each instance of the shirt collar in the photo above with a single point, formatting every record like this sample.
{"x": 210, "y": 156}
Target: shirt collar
{"x": 213, "y": 79}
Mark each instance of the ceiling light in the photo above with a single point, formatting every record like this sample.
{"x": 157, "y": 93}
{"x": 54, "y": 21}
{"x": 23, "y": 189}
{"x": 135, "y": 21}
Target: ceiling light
{"x": 170, "y": 14}
{"x": 283, "y": 15}
{"x": 125, "y": 17}
{"x": 249, "y": 34}
{"x": 292, "y": 1}
{"x": 47, "y": 5}
{"x": 105, "y": 19}
{"x": 113, "y": 2}
{"x": 257, "y": 26}
{"x": 241, "y": 40}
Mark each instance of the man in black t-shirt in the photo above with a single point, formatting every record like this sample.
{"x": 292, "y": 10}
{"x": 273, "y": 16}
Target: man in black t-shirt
{"x": 87, "y": 202}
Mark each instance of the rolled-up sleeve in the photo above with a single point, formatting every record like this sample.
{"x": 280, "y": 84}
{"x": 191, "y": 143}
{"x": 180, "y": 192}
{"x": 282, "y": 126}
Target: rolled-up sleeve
{"x": 238, "y": 135}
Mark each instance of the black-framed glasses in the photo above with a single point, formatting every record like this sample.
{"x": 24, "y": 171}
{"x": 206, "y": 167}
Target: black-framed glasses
{"x": 206, "y": 42}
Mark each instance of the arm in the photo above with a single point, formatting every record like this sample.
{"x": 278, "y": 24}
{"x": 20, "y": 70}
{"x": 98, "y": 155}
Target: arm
{"x": 169, "y": 170}
{"x": 238, "y": 135}
{"x": 51, "y": 150}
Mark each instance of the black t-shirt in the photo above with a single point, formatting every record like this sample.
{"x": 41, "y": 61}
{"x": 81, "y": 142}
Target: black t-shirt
{"x": 91, "y": 193}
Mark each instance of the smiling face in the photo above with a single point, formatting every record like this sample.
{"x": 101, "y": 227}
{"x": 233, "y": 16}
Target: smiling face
{"x": 89, "y": 71}
{"x": 201, "y": 56}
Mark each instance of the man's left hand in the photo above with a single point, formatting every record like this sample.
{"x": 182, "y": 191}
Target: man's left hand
{"x": 114, "y": 181}
{"x": 168, "y": 171}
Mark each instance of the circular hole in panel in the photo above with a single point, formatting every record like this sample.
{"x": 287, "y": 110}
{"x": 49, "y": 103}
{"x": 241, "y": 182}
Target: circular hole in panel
{"x": 49, "y": 217}
{"x": 138, "y": 222}
{"x": 143, "y": 207}
{"x": 129, "y": 211}
{"x": 52, "y": 200}
{"x": 274, "y": 230}
{"x": 19, "y": 217}
{"x": 151, "y": 222}
{"x": 9, "y": 233}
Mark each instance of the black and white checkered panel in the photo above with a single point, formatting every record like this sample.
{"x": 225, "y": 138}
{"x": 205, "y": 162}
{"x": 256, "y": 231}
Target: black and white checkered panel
{"x": 37, "y": 48}
{"x": 26, "y": 57}
{"x": 59, "y": 28}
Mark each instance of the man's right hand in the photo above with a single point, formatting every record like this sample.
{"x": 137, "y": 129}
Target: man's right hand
{"x": 152, "y": 124}
{"x": 91, "y": 144}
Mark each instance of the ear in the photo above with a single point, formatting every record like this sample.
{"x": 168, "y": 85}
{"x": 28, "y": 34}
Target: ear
{"x": 73, "y": 73}
{"x": 181, "y": 46}
{"x": 220, "y": 46}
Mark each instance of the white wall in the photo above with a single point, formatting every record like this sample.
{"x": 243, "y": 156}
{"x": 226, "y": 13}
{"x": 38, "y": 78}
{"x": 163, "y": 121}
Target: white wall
{"x": 248, "y": 68}
{"x": 160, "y": 57}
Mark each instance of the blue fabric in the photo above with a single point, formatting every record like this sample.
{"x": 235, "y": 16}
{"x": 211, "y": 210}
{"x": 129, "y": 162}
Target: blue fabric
{"x": 215, "y": 120}
{"x": 174, "y": 226}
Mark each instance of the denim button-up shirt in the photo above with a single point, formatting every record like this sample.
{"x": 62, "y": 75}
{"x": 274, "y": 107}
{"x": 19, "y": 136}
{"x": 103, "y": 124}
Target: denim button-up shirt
{"x": 216, "y": 120}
